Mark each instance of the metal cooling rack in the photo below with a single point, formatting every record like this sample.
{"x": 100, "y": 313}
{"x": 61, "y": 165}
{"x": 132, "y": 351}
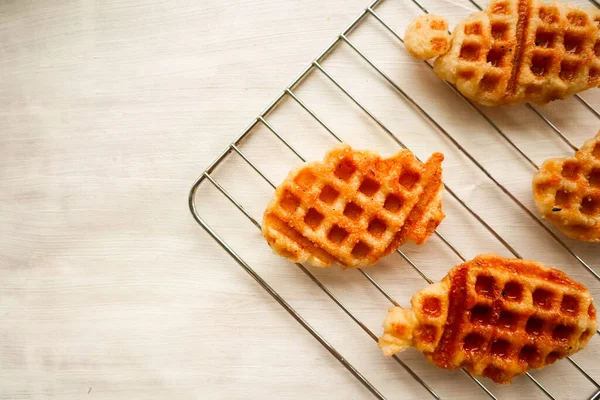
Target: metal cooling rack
{"x": 289, "y": 92}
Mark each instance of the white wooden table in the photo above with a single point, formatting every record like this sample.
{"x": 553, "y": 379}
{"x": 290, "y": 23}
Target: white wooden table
{"x": 109, "y": 289}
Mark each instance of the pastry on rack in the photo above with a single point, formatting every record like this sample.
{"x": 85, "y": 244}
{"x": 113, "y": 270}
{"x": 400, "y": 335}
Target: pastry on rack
{"x": 567, "y": 192}
{"x": 427, "y": 37}
{"x": 354, "y": 207}
{"x": 496, "y": 317}
{"x": 520, "y": 51}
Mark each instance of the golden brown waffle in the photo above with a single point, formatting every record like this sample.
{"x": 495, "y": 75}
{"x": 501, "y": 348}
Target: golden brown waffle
{"x": 427, "y": 37}
{"x": 354, "y": 207}
{"x": 567, "y": 192}
{"x": 524, "y": 51}
{"x": 496, "y": 317}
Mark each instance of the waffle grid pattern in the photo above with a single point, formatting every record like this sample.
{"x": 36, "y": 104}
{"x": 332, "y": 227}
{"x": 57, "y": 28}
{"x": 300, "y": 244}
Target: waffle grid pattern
{"x": 516, "y": 323}
{"x": 524, "y": 50}
{"x": 496, "y": 317}
{"x": 431, "y": 310}
{"x": 224, "y": 158}
{"x": 352, "y": 207}
{"x": 567, "y": 192}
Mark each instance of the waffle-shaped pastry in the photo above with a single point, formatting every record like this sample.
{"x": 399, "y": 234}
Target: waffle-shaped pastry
{"x": 496, "y": 317}
{"x": 567, "y": 192}
{"x": 523, "y": 51}
{"x": 354, "y": 207}
{"x": 427, "y": 37}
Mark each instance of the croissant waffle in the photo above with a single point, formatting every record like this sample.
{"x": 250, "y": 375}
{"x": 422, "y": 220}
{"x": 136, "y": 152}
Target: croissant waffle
{"x": 523, "y": 51}
{"x": 354, "y": 207}
{"x": 427, "y": 37}
{"x": 496, "y": 317}
{"x": 567, "y": 192}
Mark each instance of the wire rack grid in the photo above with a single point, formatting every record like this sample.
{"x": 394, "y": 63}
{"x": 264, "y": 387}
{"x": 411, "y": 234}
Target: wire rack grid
{"x": 578, "y": 256}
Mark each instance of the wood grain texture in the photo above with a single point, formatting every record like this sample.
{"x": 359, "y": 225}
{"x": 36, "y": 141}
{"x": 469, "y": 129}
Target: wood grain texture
{"x": 109, "y": 110}
{"x": 109, "y": 289}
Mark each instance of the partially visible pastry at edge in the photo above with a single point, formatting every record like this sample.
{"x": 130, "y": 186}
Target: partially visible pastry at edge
{"x": 497, "y": 317}
{"x": 354, "y": 207}
{"x": 567, "y": 192}
{"x": 522, "y": 51}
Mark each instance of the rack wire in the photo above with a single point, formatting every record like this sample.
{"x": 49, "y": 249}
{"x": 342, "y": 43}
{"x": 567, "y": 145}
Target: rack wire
{"x": 291, "y": 92}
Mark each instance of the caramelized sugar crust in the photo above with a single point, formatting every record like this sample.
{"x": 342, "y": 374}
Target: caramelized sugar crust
{"x": 523, "y": 51}
{"x": 354, "y": 207}
{"x": 496, "y": 317}
{"x": 567, "y": 192}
